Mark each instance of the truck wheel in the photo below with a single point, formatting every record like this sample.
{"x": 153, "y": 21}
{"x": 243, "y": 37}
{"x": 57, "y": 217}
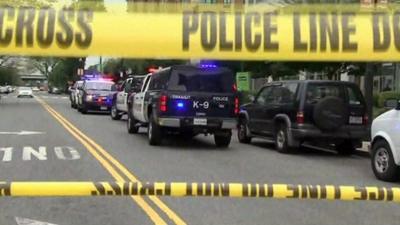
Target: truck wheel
{"x": 154, "y": 132}
{"x": 115, "y": 113}
{"x": 223, "y": 140}
{"x": 281, "y": 139}
{"x": 345, "y": 148}
{"x": 382, "y": 162}
{"x": 132, "y": 128}
{"x": 242, "y": 132}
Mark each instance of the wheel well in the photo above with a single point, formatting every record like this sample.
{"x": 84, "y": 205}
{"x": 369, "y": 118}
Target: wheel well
{"x": 149, "y": 111}
{"x": 378, "y": 138}
{"x": 242, "y": 117}
{"x": 278, "y": 122}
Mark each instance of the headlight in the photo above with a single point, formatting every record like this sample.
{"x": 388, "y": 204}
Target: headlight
{"x": 89, "y": 98}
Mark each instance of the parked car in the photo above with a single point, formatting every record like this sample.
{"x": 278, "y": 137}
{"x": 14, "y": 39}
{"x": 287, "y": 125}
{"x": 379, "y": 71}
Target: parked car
{"x": 95, "y": 95}
{"x": 25, "y": 92}
{"x": 188, "y": 100}
{"x": 385, "y": 145}
{"x": 35, "y": 89}
{"x": 73, "y": 93}
{"x": 120, "y": 104}
{"x": 293, "y": 112}
{"x": 4, "y": 90}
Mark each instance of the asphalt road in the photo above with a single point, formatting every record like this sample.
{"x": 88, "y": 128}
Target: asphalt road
{"x": 56, "y": 154}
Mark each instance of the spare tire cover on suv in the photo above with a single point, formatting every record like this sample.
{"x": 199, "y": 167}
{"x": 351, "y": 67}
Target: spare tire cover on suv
{"x": 330, "y": 113}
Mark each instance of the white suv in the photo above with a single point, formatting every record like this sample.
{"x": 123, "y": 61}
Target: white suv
{"x": 385, "y": 150}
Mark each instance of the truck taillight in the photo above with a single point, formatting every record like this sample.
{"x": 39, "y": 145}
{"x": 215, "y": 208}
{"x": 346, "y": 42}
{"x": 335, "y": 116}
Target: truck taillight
{"x": 163, "y": 103}
{"x": 300, "y": 117}
{"x": 365, "y": 119}
{"x": 236, "y": 105}
{"x": 234, "y": 88}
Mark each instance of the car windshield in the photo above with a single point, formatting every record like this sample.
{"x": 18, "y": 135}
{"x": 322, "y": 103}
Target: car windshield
{"x": 25, "y": 88}
{"x": 101, "y": 86}
{"x": 212, "y": 80}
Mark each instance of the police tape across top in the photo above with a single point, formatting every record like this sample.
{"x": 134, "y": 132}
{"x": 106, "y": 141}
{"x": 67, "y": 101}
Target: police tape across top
{"x": 279, "y": 191}
{"x": 262, "y": 33}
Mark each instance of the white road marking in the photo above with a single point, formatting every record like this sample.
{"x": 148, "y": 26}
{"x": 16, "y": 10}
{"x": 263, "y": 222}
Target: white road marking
{"x": 22, "y": 132}
{"x": 44, "y": 96}
{"x": 7, "y": 156}
{"x": 73, "y": 153}
{"x": 62, "y": 153}
{"x": 28, "y": 151}
{"x": 26, "y": 221}
{"x": 64, "y": 97}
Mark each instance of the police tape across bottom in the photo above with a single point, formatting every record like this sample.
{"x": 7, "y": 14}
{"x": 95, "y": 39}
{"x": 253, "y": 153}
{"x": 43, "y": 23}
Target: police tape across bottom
{"x": 176, "y": 189}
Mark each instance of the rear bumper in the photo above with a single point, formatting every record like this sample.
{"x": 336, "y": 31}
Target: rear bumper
{"x": 97, "y": 106}
{"x": 212, "y": 123}
{"x": 305, "y": 132}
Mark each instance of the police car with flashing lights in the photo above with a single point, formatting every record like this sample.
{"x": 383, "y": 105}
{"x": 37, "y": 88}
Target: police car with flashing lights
{"x": 120, "y": 101}
{"x": 95, "y": 94}
{"x": 188, "y": 100}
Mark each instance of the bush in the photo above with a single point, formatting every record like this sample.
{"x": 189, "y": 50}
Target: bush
{"x": 375, "y": 100}
{"x": 383, "y": 96}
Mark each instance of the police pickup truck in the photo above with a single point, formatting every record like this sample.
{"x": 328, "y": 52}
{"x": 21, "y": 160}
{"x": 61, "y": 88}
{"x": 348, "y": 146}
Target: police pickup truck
{"x": 121, "y": 99}
{"x": 189, "y": 100}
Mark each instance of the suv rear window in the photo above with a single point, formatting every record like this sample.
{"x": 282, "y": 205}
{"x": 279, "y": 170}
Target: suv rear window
{"x": 316, "y": 92}
{"x": 355, "y": 96}
{"x": 201, "y": 80}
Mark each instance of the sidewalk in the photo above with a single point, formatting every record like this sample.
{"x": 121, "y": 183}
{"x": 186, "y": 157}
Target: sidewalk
{"x": 365, "y": 147}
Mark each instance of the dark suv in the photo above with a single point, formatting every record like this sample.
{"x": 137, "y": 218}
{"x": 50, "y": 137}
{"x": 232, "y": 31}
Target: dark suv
{"x": 293, "y": 112}
{"x": 189, "y": 100}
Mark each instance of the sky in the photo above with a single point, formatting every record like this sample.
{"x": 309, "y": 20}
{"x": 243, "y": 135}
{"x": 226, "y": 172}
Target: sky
{"x": 93, "y": 60}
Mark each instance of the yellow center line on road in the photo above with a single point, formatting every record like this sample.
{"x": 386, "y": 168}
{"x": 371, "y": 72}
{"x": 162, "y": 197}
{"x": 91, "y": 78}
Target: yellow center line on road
{"x": 139, "y": 200}
{"x": 171, "y": 214}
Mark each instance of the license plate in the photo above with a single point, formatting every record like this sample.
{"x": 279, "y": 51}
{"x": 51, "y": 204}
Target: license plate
{"x": 200, "y": 121}
{"x": 103, "y": 108}
{"x": 355, "y": 120}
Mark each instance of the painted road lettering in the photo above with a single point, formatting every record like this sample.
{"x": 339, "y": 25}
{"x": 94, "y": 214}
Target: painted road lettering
{"x": 40, "y": 153}
{"x": 51, "y": 26}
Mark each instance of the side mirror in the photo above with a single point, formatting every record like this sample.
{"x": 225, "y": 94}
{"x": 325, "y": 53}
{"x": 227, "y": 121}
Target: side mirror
{"x": 252, "y": 98}
{"x": 392, "y": 103}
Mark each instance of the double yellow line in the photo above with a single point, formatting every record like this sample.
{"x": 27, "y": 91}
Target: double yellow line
{"x": 112, "y": 166}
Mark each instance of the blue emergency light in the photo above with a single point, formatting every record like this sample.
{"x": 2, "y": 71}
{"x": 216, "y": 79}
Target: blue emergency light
{"x": 180, "y": 105}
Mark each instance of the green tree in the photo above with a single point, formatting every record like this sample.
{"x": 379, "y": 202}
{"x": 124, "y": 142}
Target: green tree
{"x": 9, "y": 76}
{"x": 44, "y": 65}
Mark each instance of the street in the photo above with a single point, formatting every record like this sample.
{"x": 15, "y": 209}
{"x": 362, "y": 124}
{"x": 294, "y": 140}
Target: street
{"x": 44, "y": 139}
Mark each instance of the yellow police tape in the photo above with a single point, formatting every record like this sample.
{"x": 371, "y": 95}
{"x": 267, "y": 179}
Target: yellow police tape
{"x": 279, "y": 191}
{"x": 313, "y": 33}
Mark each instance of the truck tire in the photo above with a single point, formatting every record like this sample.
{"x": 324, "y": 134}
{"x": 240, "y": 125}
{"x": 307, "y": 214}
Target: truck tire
{"x": 345, "y": 148}
{"x": 154, "y": 132}
{"x": 382, "y": 162}
{"x": 282, "y": 139}
{"x": 131, "y": 125}
{"x": 115, "y": 113}
{"x": 223, "y": 140}
{"x": 242, "y": 132}
{"x": 330, "y": 113}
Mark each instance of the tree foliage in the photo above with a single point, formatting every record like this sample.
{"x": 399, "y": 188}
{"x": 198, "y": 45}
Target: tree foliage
{"x": 9, "y": 76}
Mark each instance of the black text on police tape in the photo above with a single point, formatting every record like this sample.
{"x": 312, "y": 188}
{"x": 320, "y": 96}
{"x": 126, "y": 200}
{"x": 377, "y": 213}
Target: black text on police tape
{"x": 255, "y": 31}
{"x": 46, "y": 26}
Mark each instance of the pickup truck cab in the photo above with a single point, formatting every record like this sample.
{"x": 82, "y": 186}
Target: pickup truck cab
{"x": 120, "y": 103}
{"x": 188, "y": 100}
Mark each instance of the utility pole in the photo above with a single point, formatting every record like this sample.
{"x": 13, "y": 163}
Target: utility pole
{"x": 370, "y": 69}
